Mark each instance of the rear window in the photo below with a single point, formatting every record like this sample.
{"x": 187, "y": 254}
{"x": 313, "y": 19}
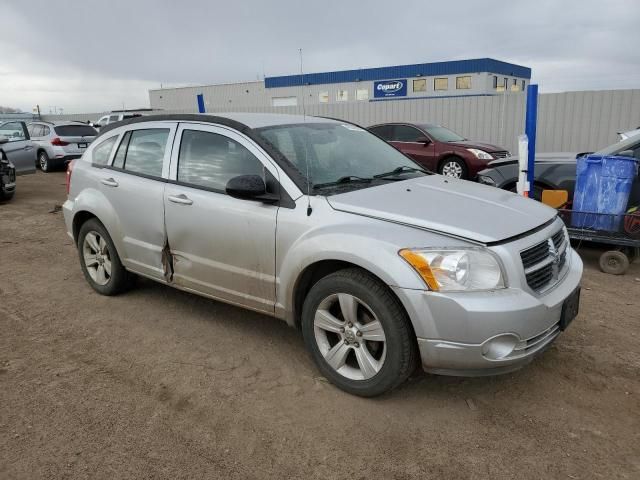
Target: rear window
{"x": 75, "y": 131}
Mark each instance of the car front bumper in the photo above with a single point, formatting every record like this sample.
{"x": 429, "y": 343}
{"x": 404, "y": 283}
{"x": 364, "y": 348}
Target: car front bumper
{"x": 467, "y": 333}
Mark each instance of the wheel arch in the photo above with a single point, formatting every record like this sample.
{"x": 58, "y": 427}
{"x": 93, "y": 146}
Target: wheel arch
{"x": 316, "y": 271}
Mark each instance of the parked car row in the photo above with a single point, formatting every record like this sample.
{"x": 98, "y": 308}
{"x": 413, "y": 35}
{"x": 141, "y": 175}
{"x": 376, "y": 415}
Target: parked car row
{"x": 57, "y": 143}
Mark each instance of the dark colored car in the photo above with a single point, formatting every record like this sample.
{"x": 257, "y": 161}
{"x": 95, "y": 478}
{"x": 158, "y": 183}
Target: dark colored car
{"x": 439, "y": 149}
{"x": 7, "y": 175}
{"x": 553, "y": 171}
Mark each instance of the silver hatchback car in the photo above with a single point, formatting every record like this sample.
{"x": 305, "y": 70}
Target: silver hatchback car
{"x": 324, "y": 225}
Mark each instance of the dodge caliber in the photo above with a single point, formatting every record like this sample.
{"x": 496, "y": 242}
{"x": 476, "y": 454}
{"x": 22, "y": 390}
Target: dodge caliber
{"x": 380, "y": 264}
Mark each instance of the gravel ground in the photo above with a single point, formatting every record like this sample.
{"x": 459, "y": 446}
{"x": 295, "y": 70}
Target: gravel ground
{"x": 158, "y": 383}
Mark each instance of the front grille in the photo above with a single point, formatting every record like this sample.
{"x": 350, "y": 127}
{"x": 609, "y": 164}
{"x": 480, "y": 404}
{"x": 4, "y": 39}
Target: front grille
{"x": 544, "y": 261}
{"x": 500, "y": 154}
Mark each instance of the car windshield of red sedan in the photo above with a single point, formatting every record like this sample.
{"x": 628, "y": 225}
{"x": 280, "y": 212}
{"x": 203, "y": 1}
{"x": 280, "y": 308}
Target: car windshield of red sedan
{"x": 442, "y": 134}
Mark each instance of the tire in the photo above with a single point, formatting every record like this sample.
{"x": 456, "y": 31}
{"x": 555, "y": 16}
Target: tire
{"x": 95, "y": 245}
{"x": 4, "y": 196}
{"x": 614, "y": 262}
{"x": 44, "y": 162}
{"x": 454, "y": 167}
{"x": 380, "y": 338}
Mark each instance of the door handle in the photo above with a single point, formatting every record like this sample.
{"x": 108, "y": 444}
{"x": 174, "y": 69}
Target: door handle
{"x": 182, "y": 199}
{"x": 109, "y": 182}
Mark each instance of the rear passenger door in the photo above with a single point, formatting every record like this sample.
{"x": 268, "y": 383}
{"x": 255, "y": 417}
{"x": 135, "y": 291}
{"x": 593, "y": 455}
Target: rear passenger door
{"x": 133, "y": 182}
{"x": 221, "y": 246}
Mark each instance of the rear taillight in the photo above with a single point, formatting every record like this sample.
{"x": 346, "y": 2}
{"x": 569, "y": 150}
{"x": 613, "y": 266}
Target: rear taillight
{"x": 59, "y": 143}
{"x": 68, "y": 177}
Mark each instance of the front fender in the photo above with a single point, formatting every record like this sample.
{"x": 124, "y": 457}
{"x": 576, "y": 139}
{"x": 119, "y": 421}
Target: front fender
{"x": 370, "y": 244}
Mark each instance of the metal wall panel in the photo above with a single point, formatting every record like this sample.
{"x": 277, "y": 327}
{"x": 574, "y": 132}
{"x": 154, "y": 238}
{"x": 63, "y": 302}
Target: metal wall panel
{"x": 569, "y": 121}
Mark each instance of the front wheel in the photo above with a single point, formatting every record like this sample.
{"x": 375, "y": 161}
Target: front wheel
{"x": 454, "y": 167}
{"x": 358, "y": 333}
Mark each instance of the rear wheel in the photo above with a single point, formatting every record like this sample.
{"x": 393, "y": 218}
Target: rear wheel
{"x": 454, "y": 167}
{"x": 358, "y": 333}
{"x": 100, "y": 262}
{"x": 44, "y": 162}
{"x": 614, "y": 262}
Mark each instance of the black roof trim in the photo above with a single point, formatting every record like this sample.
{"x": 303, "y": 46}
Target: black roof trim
{"x": 296, "y": 176}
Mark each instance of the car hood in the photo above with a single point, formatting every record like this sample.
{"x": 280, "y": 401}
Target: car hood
{"x": 450, "y": 206}
{"x": 487, "y": 147}
{"x": 553, "y": 157}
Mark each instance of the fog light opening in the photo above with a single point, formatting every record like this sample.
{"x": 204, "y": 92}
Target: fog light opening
{"x": 499, "y": 347}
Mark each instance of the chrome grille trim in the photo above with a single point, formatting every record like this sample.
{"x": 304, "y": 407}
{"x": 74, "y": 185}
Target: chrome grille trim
{"x": 544, "y": 261}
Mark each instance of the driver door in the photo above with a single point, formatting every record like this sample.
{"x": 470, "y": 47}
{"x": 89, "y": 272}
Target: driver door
{"x": 19, "y": 149}
{"x": 220, "y": 246}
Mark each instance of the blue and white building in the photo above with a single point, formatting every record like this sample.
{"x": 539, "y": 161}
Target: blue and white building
{"x": 478, "y": 77}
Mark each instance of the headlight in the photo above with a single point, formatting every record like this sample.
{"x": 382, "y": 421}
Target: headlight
{"x": 461, "y": 270}
{"x": 480, "y": 154}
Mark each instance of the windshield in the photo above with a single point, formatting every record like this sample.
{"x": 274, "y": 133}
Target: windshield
{"x": 631, "y": 143}
{"x": 331, "y": 152}
{"x": 442, "y": 134}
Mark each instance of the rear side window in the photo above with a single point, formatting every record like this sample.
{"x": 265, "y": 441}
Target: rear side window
{"x": 144, "y": 151}
{"x": 102, "y": 151}
{"x": 210, "y": 160}
{"x": 383, "y": 131}
{"x": 75, "y": 131}
{"x": 405, "y": 133}
{"x": 35, "y": 130}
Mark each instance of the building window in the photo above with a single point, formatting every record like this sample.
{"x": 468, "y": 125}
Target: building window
{"x": 362, "y": 94}
{"x": 441, "y": 84}
{"x": 420, "y": 85}
{"x": 323, "y": 97}
{"x": 284, "y": 101}
{"x": 342, "y": 96}
{"x": 523, "y": 85}
{"x": 495, "y": 81}
{"x": 463, "y": 83}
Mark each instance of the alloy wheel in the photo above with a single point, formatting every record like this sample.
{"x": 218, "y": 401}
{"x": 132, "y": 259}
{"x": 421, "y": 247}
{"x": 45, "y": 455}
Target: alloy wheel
{"x": 452, "y": 169}
{"x": 350, "y": 336}
{"x": 97, "y": 258}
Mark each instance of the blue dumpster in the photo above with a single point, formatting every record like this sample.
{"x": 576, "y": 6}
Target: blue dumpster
{"x": 603, "y": 184}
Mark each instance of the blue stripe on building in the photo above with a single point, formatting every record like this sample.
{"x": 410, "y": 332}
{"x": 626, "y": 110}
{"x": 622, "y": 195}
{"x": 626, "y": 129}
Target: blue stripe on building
{"x": 454, "y": 67}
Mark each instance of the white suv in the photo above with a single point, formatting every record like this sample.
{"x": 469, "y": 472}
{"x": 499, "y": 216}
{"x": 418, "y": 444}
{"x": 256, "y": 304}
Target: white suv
{"x": 58, "y": 143}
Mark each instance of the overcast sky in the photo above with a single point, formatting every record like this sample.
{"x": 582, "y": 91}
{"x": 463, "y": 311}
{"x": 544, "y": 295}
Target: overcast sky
{"x": 91, "y": 56}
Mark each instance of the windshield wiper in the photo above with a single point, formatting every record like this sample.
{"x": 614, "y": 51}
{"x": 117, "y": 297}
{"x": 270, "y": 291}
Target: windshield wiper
{"x": 344, "y": 180}
{"x": 403, "y": 169}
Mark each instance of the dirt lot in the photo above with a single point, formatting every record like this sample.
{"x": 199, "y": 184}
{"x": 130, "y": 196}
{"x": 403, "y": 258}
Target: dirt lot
{"x": 158, "y": 383}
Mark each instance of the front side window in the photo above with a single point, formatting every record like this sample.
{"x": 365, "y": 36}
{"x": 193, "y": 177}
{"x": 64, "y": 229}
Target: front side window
{"x": 210, "y": 160}
{"x": 13, "y": 131}
{"x": 440, "y": 83}
{"x": 145, "y": 151}
{"x": 405, "y": 133}
{"x": 463, "y": 83}
{"x": 333, "y": 151}
{"x": 102, "y": 151}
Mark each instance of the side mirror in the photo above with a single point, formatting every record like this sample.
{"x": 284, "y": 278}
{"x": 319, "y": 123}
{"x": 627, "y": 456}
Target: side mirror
{"x": 250, "y": 187}
{"x": 424, "y": 140}
{"x": 3, "y": 139}
{"x": 626, "y": 153}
